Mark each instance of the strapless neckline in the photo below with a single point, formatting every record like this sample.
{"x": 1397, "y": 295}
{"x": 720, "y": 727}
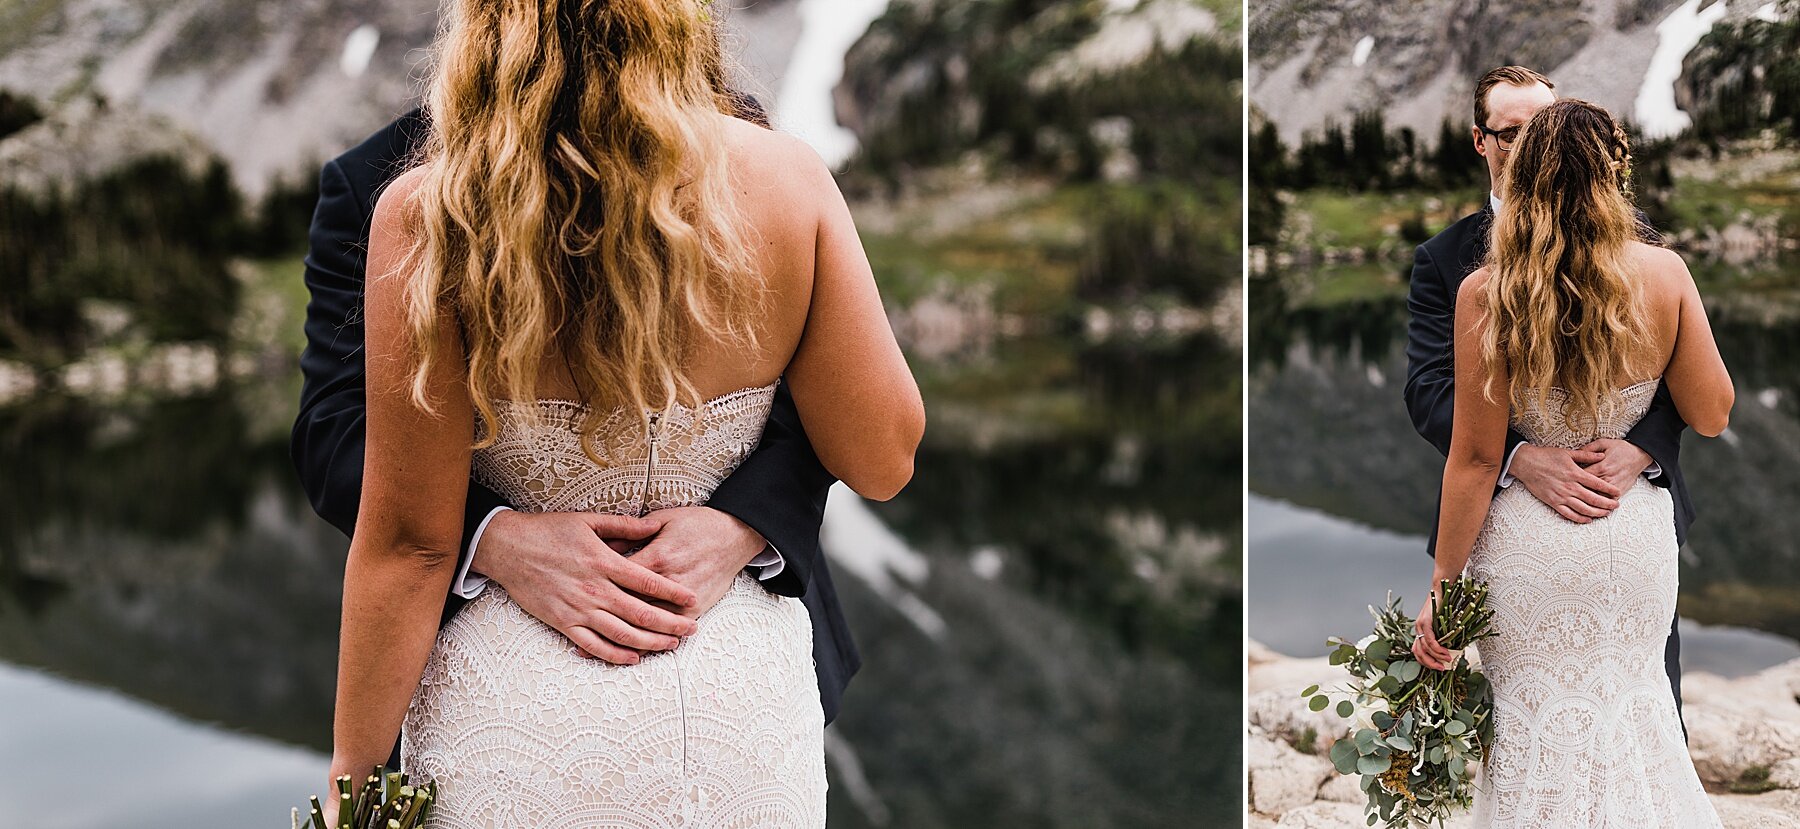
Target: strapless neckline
{"x": 1542, "y": 421}
{"x": 537, "y": 460}
{"x": 715, "y": 400}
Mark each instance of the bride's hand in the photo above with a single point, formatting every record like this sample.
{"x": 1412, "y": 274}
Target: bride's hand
{"x": 329, "y": 804}
{"x": 1426, "y": 647}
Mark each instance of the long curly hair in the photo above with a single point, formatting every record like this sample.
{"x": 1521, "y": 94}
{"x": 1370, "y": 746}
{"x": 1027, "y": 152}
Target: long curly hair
{"x": 577, "y": 199}
{"x": 1565, "y": 302}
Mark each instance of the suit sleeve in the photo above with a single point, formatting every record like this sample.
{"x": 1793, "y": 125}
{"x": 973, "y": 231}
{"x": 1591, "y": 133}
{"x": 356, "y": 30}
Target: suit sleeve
{"x": 1659, "y": 434}
{"x": 327, "y": 441}
{"x": 1430, "y": 342}
{"x": 780, "y": 491}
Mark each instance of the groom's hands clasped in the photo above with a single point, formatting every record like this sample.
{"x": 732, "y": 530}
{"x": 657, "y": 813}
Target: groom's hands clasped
{"x": 702, "y": 549}
{"x": 1621, "y": 462}
{"x": 567, "y": 570}
{"x": 617, "y": 586}
{"x": 1565, "y": 480}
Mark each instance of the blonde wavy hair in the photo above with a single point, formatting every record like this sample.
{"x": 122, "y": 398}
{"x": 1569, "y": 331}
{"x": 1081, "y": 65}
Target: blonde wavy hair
{"x": 1566, "y": 309}
{"x": 576, "y": 199}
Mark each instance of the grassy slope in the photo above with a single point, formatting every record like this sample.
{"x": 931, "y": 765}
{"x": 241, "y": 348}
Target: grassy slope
{"x": 1706, "y": 194}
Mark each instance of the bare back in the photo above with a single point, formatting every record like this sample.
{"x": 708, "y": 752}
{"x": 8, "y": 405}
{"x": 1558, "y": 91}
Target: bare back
{"x": 822, "y": 328}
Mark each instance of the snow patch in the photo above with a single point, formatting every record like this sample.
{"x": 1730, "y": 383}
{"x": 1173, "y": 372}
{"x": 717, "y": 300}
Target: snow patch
{"x": 1655, "y": 110}
{"x": 804, "y": 106}
{"x": 987, "y": 563}
{"x": 857, "y": 541}
{"x": 359, "y": 49}
{"x": 1126, "y": 38}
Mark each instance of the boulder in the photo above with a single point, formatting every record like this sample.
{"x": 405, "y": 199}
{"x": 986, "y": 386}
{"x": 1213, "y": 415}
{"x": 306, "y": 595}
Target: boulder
{"x": 1280, "y": 777}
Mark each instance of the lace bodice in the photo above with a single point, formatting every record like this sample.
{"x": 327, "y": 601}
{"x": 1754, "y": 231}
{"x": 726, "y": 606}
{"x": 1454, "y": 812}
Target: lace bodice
{"x": 1544, "y": 424}
{"x": 520, "y": 728}
{"x": 677, "y": 461}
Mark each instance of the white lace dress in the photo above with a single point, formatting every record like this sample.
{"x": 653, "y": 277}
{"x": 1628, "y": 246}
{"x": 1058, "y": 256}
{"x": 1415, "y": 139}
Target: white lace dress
{"x": 1586, "y": 733}
{"x": 521, "y": 731}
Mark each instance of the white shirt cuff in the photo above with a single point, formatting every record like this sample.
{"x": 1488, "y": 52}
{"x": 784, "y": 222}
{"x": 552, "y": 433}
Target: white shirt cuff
{"x": 768, "y": 563}
{"x": 1653, "y": 471}
{"x": 469, "y": 585}
{"x": 1506, "y": 478}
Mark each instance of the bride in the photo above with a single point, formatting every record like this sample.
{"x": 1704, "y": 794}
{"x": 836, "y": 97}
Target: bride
{"x": 585, "y": 294}
{"x": 1563, "y": 335}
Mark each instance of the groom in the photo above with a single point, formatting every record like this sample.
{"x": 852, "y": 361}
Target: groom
{"x": 560, "y": 567}
{"x": 1580, "y": 485}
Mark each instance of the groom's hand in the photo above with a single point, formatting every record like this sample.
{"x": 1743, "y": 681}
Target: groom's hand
{"x": 1557, "y": 478}
{"x": 561, "y": 569}
{"x": 702, "y": 549}
{"x": 1621, "y": 462}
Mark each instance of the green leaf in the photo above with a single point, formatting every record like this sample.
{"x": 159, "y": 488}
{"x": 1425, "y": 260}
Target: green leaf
{"x": 1455, "y": 728}
{"x": 1346, "y": 710}
{"x": 1318, "y": 703}
{"x": 1310, "y": 690}
{"x": 1371, "y": 765}
{"x": 1401, "y": 742}
{"x": 1383, "y": 720}
{"x": 1405, "y": 671}
{"x": 1343, "y": 756}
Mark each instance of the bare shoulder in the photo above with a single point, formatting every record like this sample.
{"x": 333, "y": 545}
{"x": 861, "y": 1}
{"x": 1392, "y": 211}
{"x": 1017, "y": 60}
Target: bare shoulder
{"x": 393, "y": 235}
{"x": 395, "y": 209}
{"x": 1663, "y": 271}
{"x": 763, "y": 148}
{"x": 1659, "y": 258}
{"x": 778, "y": 169}
{"x": 1472, "y": 294}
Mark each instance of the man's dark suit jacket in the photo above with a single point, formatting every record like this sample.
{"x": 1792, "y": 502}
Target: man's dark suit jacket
{"x": 1439, "y": 268}
{"x": 779, "y": 490}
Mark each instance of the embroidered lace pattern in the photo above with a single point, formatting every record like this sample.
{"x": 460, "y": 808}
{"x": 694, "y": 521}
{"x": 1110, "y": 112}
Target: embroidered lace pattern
{"x": 1586, "y": 731}
{"x": 519, "y": 729}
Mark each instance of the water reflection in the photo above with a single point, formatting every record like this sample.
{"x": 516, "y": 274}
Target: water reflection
{"x": 1073, "y": 525}
{"x": 1295, "y": 545}
{"x": 1332, "y": 435}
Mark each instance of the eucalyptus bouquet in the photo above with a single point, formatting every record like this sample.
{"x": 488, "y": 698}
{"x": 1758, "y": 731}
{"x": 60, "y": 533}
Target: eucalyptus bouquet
{"x": 1417, "y": 731}
{"x": 387, "y": 800}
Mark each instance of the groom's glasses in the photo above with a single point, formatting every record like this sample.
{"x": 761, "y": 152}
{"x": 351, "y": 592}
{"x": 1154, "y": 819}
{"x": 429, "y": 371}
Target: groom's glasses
{"x": 1505, "y": 137}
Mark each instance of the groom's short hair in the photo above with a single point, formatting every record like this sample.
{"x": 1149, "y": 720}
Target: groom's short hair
{"x": 1510, "y": 75}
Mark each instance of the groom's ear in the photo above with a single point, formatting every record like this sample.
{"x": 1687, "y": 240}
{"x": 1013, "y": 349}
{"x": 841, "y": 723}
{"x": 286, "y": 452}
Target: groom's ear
{"x": 1480, "y": 145}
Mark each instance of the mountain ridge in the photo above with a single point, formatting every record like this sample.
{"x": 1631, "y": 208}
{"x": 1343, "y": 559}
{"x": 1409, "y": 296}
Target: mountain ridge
{"x": 1316, "y": 63}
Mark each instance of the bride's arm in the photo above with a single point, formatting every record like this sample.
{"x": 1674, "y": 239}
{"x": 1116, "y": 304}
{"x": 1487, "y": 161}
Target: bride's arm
{"x": 1477, "y": 451}
{"x": 415, "y": 479}
{"x": 1696, "y": 377}
{"x": 857, "y": 398}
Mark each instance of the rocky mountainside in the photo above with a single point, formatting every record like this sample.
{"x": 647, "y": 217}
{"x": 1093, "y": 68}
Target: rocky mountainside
{"x": 272, "y": 87}
{"x": 1315, "y": 62}
{"x": 1089, "y": 89}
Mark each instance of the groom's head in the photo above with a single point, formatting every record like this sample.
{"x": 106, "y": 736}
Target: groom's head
{"x": 1505, "y": 98}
